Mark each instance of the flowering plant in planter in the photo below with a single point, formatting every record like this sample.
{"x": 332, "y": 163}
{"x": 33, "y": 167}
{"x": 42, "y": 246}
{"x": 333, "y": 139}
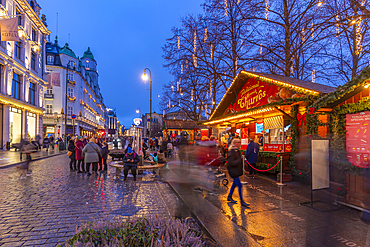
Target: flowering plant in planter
{"x": 158, "y": 231}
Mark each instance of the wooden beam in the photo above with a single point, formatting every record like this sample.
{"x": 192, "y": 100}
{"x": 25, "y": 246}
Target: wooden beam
{"x": 286, "y": 114}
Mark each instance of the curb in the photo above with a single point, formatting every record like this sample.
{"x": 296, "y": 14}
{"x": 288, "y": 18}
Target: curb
{"x": 22, "y": 162}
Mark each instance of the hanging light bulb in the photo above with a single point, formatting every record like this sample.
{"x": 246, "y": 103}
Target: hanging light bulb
{"x": 261, "y": 48}
{"x": 337, "y": 24}
{"x": 303, "y": 35}
{"x": 192, "y": 95}
{"x": 241, "y": 44}
{"x": 210, "y": 88}
{"x": 195, "y": 49}
{"x": 205, "y": 34}
{"x": 182, "y": 68}
{"x": 358, "y": 36}
{"x": 178, "y": 42}
{"x": 267, "y": 9}
{"x": 173, "y": 89}
{"x": 211, "y": 52}
{"x": 313, "y": 76}
{"x": 225, "y": 7}
{"x": 178, "y": 86}
{"x": 312, "y": 30}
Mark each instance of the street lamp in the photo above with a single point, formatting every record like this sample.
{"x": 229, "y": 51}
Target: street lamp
{"x": 145, "y": 78}
{"x": 65, "y": 105}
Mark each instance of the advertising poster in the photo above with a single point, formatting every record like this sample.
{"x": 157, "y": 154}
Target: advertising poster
{"x": 203, "y": 134}
{"x": 273, "y": 147}
{"x": 358, "y": 138}
{"x": 244, "y": 138}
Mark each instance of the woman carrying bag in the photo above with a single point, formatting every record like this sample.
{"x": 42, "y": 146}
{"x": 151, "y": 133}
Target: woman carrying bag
{"x": 92, "y": 154}
{"x": 79, "y": 157}
{"x": 72, "y": 155}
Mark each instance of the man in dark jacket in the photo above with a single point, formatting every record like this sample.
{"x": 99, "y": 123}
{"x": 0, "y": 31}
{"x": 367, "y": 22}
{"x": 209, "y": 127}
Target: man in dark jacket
{"x": 130, "y": 162}
{"x": 104, "y": 153}
{"x": 252, "y": 155}
{"x": 235, "y": 168}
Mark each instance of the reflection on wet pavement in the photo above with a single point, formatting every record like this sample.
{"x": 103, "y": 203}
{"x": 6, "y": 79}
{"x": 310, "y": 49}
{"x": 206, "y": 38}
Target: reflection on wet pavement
{"x": 275, "y": 216}
{"x": 46, "y": 207}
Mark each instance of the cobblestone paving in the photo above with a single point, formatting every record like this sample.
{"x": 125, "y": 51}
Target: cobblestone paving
{"x": 45, "y": 208}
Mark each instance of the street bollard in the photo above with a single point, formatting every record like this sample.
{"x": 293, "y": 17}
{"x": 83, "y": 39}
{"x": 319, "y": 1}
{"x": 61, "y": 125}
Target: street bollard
{"x": 281, "y": 172}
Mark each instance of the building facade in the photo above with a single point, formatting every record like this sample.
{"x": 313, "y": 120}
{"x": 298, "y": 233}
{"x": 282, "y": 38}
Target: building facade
{"x": 112, "y": 123}
{"x": 23, "y": 77}
{"x": 157, "y": 122}
{"x": 73, "y": 93}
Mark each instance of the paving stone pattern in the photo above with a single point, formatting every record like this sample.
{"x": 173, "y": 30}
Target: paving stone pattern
{"x": 45, "y": 208}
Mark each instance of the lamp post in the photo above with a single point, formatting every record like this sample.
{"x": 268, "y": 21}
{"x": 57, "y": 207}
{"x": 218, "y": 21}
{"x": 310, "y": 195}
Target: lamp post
{"x": 145, "y": 77}
{"x": 65, "y": 105}
{"x": 138, "y": 111}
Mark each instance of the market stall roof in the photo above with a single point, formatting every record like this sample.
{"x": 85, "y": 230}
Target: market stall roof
{"x": 181, "y": 124}
{"x": 342, "y": 93}
{"x": 304, "y": 87}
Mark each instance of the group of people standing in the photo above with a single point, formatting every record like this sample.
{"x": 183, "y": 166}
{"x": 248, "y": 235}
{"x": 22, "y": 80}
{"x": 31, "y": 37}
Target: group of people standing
{"x": 90, "y": 153}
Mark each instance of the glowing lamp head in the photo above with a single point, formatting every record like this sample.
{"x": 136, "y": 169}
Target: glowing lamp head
{"x": 144, "y": 77}
{"x": 319, "y": 4}
{"x": 137, "y": 111}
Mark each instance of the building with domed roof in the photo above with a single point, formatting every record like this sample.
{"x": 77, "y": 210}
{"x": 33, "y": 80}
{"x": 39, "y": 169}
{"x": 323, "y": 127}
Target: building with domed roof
{"x": 78, "y": 79}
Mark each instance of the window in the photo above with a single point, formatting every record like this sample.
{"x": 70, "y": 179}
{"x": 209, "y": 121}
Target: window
{"x": 33, "y": 60}
{"x": 70, "y": 76}
{"x": 50, "y": 60}
{"x": 32, "y": 93}
{"x": 34, "y": 35}
{"x": 17, "y": 49}
{"x": 19, "y": 16}
{"x": 70, "y": 110}
{"x": 16, "y": 86}
{"x": 49, "y": 109}
{"x": 49, "y": 91}
{"x": 70, "y": 92}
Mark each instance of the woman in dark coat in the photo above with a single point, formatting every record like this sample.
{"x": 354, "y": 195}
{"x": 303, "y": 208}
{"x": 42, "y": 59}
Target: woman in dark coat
{"x": 72, "y": 162}
{"x": 235, "y": 168}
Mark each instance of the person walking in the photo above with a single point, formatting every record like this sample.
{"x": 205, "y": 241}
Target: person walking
{"x": 72, "y": 148}
{"x": 27, "y": 148}
{"x": 151, "y": 144}
{"x": 92, "y": 153}
{"x": 52, "y": 142}
{"x": 169, "y": 149}
{"x": 104, "y": 154}
{"x": 252, "y": 155}
{"x": 130, "y": 163}
{"x": 46, "y": 143}
{"x": 235, "y": 168}
{"x": 79, "y": 157}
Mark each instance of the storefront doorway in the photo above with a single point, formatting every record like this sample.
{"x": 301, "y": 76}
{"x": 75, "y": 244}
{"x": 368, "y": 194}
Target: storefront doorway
{"x": 15, "y": 125}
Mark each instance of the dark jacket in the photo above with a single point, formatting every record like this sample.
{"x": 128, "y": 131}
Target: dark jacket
{"x": 104, "y": 152}
{"x": 72, "y": 148}
{"x": 234, "y": 163}
{"x": 133, "y": 157}
{"x": 252, "y": 152}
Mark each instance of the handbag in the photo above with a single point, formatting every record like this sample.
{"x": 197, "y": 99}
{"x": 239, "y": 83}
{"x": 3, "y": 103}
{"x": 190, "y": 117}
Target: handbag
{"x": 100, "y": 158}
{"x": 69, "y": 153}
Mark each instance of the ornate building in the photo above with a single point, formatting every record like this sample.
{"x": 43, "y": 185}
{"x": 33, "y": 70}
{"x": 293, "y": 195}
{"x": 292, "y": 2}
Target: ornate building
{"x": 23, "y": 77}
{"x": 78, "y": 79}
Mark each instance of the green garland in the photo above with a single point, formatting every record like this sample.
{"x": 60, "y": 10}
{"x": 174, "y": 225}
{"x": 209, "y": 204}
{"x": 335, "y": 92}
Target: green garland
{"x": 265, "y": 166}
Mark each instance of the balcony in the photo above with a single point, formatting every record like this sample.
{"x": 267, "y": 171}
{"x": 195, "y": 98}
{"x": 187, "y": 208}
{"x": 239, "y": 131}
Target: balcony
{"x": 49, "y": 96}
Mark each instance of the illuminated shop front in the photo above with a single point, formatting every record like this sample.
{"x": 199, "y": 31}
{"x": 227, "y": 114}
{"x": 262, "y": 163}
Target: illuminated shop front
{"x": 266, "y": 108}
{"x": 176, "y": 128}
{"x": 15, "y": 125}
{"x": 31, "y": 125}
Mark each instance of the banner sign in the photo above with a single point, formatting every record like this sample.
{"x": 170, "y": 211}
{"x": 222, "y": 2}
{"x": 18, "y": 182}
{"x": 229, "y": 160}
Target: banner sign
{"x": 9, "y": 29}
{"x": 53, "y": 79}
{"x": 358, "y": 139}
{"x": 203, "y": 134}
{"x": 277, "y": 148}
{"x": 257, "y": 93}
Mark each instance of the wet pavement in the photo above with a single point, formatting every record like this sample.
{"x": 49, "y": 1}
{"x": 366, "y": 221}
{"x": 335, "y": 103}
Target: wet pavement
{"x": 45, "y": 208}
{"x": 274, "y": 217}
{"x": 11, "y": 157}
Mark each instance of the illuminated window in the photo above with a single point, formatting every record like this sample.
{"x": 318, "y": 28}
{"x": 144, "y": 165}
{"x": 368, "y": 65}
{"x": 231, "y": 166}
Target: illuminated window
{"x": 49, "y": 109}
{"x": 32, "y": 93}
{"x": 50, "y": 60}
{"x": 70, "y": 92}
{"x": 70, "y": 110}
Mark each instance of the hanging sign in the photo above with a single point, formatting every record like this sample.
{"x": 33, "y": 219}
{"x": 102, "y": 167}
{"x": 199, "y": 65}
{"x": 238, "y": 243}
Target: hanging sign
{"x": 9, "y": 29}
{"x": 358, "y": 138}
{"x": 257, "y": 93}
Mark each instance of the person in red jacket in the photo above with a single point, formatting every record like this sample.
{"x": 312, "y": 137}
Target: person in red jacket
{"x": 79, "y": 157}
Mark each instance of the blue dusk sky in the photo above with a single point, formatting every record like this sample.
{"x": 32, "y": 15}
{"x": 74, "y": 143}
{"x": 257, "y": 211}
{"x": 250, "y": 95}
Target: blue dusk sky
{"x": 125, "y": 37}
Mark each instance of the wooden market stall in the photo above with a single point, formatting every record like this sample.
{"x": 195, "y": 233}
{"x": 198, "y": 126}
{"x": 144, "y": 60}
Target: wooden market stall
{"x": 174, "y": 128}
{"x": 271, "y": 109}
{"x": 347, "y": 118}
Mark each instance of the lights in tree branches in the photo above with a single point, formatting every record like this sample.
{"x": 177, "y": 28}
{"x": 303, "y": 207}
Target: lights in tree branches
{"x": 313, "y": 76}
{"x": 267, "y": 10}
{"x": 195, "y": 49}
{"x": 211, "y": 52}
{"x": 205, "y": 34}
{"x": 178, "y": 42}
{"x": 225, "y": 7}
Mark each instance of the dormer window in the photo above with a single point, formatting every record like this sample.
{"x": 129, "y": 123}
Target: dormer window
{"x": 50, "y": 60}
